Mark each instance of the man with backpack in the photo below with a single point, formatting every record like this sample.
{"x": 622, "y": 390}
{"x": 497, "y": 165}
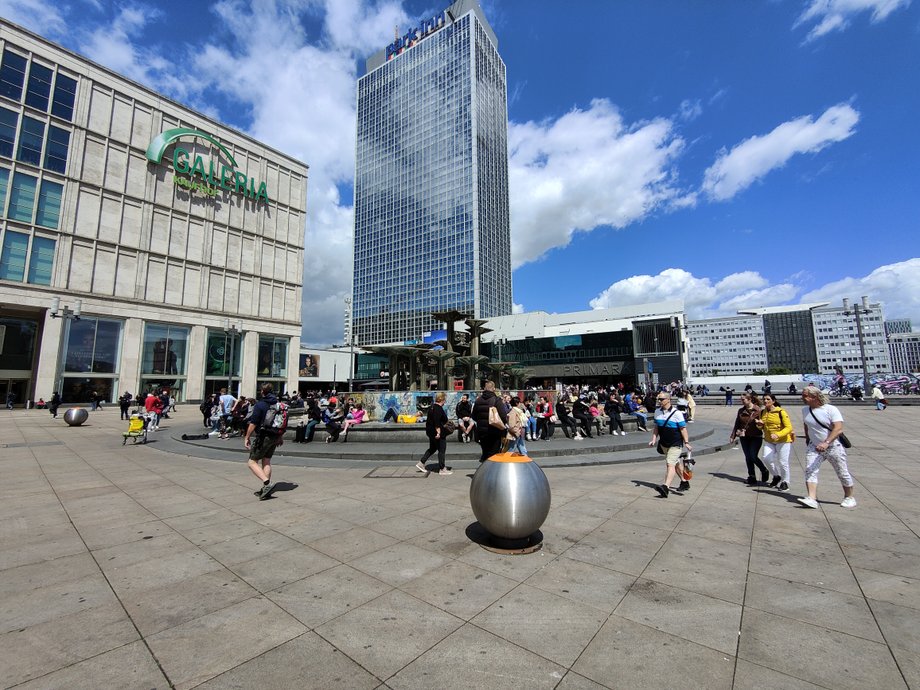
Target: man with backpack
{"x": 267, "y": 425}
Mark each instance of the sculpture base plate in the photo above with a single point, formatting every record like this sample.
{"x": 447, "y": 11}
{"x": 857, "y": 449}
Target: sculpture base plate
{"x": 501, "y": 545}
{"x": 513, "y": 547}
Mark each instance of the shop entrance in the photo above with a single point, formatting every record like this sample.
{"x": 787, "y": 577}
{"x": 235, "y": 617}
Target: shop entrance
{"x": 18, "y": 387}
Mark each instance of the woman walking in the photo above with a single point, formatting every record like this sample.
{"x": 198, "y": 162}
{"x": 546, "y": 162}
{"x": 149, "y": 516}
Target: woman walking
{"x": 776, "y": 426}
{"x": 437, "y": 436}
{"x": 751, "y": 437}
{"x": 823, "y": 429}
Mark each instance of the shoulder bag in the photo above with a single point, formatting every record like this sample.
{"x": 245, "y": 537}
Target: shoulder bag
{"x": 495, "y": 419}
{"x": 844, "y": 441}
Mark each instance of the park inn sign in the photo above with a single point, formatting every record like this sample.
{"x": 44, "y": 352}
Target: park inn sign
{"x": 207, "y": 178}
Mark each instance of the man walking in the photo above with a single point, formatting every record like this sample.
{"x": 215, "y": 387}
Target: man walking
{"x": 262, "y": 443}
{"x": 671, "y": 430}
{"x": 124, "y": 402}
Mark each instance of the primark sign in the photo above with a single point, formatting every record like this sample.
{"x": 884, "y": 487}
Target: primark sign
{"x": 207, "y": 177}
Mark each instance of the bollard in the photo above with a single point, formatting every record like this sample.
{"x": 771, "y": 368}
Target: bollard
{"x": 75, "y": 416}
{"x": 510, "y": 497}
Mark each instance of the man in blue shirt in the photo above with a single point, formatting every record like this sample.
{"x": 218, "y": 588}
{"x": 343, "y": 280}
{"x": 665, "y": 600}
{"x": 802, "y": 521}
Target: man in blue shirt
{"x": 671, "y": 430}
{"x": 262, "y": 447}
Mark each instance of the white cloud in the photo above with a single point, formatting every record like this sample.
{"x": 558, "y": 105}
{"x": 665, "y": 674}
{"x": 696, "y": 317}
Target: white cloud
{"x": 835, "y": 15}
{"x": 586, "y": 169}
{"x": 119, "y": 46}
{"x": 36, "y": 15}
{"x": 753, "y": 158}
{"x": 690, "y": 110}
{"x": 517, "y": 308}
{"x": 703, "y": 297}
{"x": 896, "y": 285}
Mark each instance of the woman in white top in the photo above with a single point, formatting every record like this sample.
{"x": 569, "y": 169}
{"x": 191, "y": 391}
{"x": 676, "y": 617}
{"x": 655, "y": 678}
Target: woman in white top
{"x": 823, "y": 426}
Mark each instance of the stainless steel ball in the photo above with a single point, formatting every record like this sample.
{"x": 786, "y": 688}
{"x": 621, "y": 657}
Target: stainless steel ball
{"x": 510, "y": 496}
{"x": 75, "y": 416}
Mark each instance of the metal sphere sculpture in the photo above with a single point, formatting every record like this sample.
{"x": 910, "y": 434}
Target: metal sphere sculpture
{"x": 510, "y": 496}
{"x": 75, "y": 416}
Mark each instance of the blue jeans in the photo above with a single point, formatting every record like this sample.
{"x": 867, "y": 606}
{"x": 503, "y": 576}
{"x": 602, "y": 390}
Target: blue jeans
{"x": 532, "y": 426}
{"x": 517, "y": 446}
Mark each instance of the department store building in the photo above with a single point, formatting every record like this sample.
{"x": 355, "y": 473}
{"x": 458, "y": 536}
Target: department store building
{"x": 142, "y": 244}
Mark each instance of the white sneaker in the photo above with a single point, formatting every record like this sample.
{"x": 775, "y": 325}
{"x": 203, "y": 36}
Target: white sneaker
{"x": 421, "y": 467}
{"x": 445, "y": 471}
{"x": 579, "y": 438}
{"x": 808, "y": 501}
{"x": 848, "y": 502}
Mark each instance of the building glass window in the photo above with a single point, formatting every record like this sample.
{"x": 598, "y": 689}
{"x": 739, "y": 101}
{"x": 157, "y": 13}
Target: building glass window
{"x": 8, "y": 122}
{"x": 272, "y": 357}
{"x": 56, "y": 149}
{"x": 4, "y": 184}
{"x": 22, "y": 197}
{"x": 217, "y": 362}
{"x": 12, "y": 75}
{"x": 31, "y": 136}
{"x": 39, "y": 87}
{"x": 49, "y": 204}
{"x": 92, "y": 346}
{"x": 65, "y": 92}
{"x": 17, "y": 344}
{"x": 163, "y": 363}
{"x": 13, "y": 256}
{"x": 41, "y": 260}
{"x": 165, "y": 349}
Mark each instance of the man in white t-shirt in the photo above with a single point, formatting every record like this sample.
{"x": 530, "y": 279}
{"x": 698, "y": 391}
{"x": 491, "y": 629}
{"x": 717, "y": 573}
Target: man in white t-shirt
{"x": 823, "y": 427}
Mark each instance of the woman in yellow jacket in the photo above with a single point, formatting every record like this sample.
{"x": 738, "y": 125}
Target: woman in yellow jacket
{"x": 777, "y": 440}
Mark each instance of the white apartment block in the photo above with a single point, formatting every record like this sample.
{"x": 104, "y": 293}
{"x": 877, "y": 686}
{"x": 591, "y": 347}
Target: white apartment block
{"x": 837, "y": 338}
{"x": 904, "y": 349}
{"x": 729, "y": 345}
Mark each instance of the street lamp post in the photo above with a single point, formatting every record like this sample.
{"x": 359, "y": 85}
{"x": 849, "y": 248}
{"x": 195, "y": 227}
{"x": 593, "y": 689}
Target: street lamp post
{"x": 58, "y": 312}
{"x": 232, "y": 331}
{"x": 859, "y": 312}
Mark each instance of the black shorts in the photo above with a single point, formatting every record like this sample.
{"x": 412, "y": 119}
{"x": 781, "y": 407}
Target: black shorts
{"x": 263, "y": 447}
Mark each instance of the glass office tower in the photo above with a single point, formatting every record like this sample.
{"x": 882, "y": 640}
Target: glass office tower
{"x": 432, "y": 226}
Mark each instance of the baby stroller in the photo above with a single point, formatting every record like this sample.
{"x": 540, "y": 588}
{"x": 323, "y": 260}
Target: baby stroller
{"x": 137, "y": 429}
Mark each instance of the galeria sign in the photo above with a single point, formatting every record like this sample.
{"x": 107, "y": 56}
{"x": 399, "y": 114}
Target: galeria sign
{"x": 214, "y": 175}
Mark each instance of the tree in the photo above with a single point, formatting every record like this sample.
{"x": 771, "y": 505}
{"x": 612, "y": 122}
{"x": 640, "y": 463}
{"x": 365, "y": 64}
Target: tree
{"x": 779, "y": 371}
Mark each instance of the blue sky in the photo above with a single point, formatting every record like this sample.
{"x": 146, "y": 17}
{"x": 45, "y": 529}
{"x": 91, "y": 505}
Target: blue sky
{"x": 734, "y": 154}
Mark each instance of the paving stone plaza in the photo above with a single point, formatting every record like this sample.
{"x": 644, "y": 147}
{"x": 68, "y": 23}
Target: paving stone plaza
{"x": 155, "y": 567}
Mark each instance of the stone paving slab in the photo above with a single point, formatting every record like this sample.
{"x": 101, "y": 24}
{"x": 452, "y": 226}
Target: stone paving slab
{"x": 155, "y": 567}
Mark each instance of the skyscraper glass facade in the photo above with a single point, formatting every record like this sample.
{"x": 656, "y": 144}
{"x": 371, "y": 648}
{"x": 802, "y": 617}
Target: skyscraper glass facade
{"x": 432, "y": 226}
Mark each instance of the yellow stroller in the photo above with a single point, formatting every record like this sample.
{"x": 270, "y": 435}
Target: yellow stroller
{"x": 137, "y": 430}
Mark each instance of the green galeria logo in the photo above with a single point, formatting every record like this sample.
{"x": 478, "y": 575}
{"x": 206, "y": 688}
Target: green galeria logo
{"x": 212, "y": 177}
